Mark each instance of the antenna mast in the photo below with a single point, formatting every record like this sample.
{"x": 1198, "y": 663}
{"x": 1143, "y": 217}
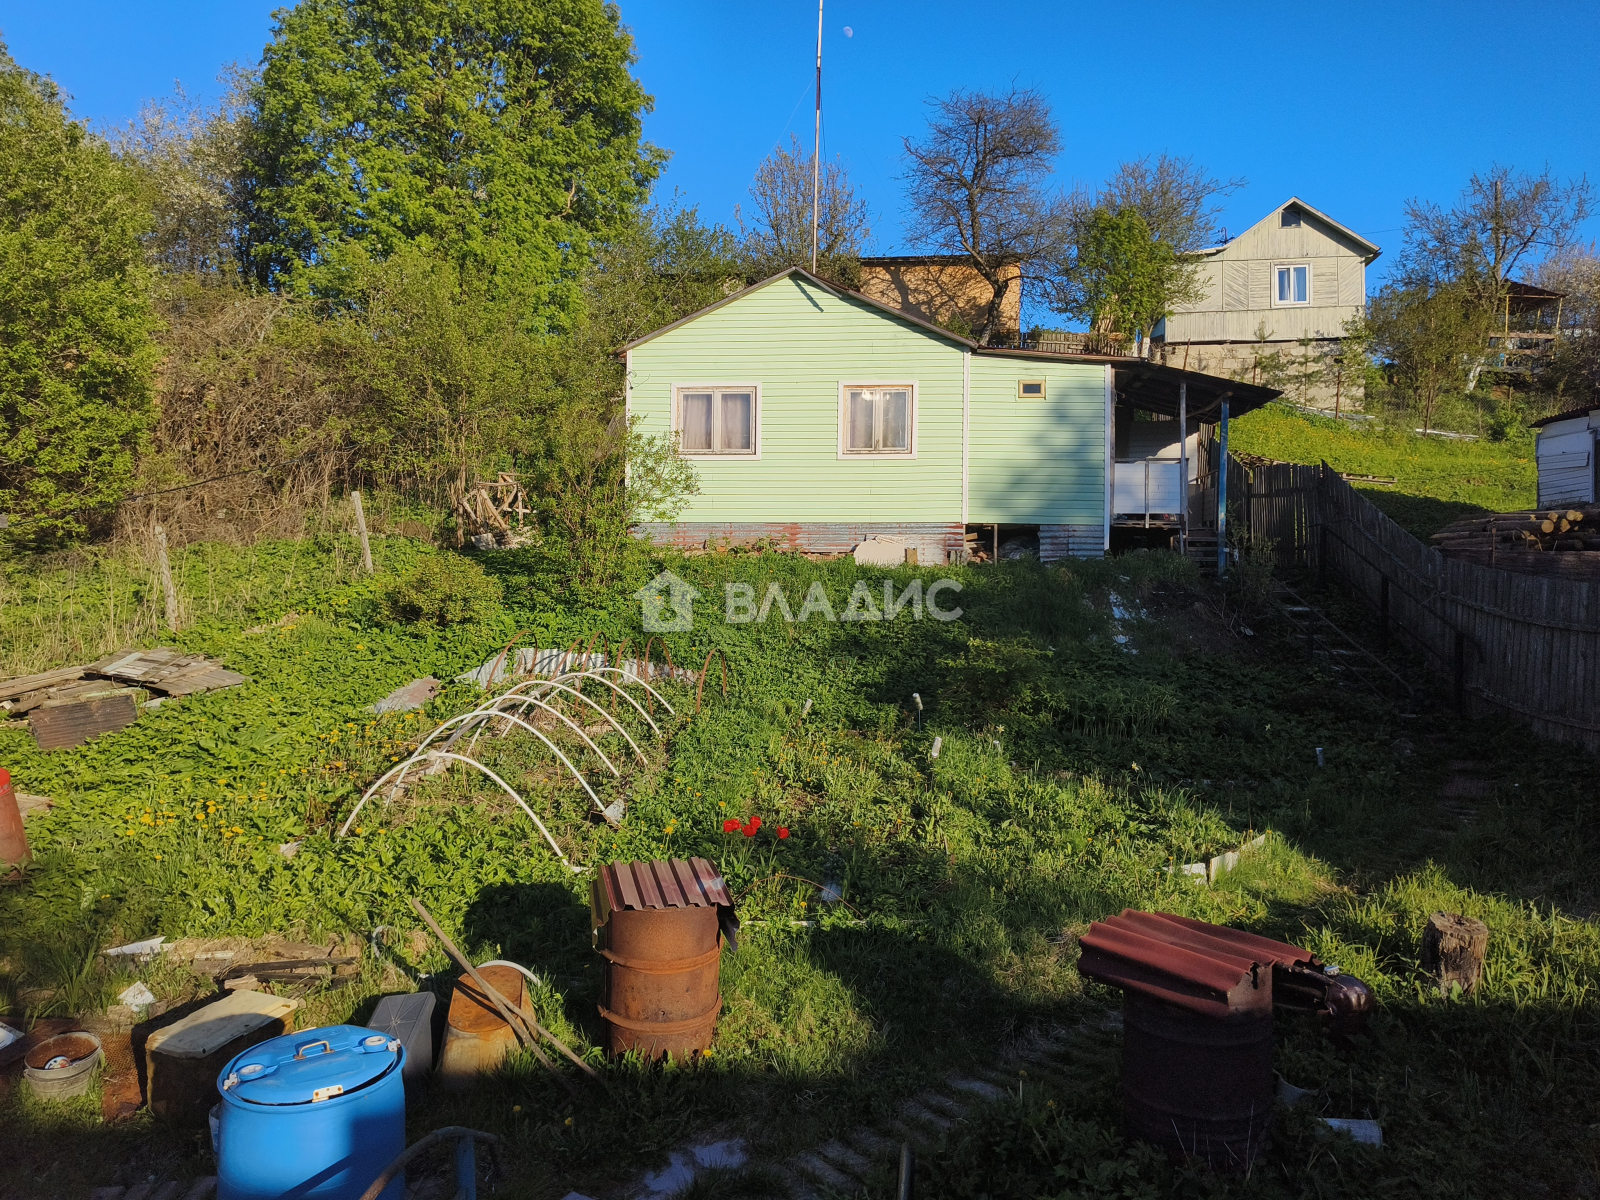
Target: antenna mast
{"x": 816, "y": 152}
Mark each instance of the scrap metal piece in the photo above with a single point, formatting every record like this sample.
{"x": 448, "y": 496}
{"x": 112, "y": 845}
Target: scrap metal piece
{"x": 62, "y": 724}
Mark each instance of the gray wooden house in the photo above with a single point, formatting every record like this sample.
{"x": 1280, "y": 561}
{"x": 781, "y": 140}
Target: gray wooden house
{"x": 1296, "y": 274}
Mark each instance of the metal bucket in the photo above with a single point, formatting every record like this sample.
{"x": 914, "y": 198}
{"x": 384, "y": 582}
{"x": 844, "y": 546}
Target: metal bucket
{"x": 74, "y": 1056}
{"x": 1199, "y": 1085}
{"x": 661, "y": 993}
{"x": 476, "y": 1036}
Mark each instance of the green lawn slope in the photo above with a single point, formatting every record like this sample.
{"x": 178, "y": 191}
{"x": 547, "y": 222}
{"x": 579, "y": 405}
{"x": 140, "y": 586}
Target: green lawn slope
{"x": 1440, "y": 479}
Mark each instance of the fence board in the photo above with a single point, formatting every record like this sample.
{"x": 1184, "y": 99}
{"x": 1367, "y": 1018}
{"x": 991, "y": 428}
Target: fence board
{"x": 1532, "y": 643}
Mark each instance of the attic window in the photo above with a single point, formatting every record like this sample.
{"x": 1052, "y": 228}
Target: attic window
{"x": 1030, "y": 389}
{"x": 1289, "y": 218}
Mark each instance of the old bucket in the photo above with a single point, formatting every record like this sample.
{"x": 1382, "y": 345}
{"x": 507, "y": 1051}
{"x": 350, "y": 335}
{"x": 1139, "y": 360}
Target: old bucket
{"x": 316, "y": 1115}
{"x": 476, "y": 1036}
{"x": 659, "y": 926}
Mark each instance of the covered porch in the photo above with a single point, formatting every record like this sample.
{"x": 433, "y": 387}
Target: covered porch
{"x": 1170, "y": 437}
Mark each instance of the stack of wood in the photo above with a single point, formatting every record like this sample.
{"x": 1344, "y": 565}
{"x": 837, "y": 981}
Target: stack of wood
{"x": 1563, "y": 542}
{"x": 490, "y": 510}
{"x": 70, "y": 705}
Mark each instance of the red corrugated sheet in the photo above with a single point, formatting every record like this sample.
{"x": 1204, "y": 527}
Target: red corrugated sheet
{"x": 1205, "y": 968}
{"x": 663, "y": 883}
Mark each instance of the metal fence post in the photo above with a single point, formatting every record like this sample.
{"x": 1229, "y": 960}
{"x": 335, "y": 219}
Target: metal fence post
{"x": 466, "y": 1170}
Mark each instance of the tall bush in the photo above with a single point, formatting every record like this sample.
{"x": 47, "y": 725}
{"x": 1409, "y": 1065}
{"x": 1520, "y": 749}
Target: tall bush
{"x": 77, "y": 355}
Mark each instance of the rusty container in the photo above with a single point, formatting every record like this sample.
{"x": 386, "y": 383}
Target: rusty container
{"x": 659, "y": 926}
{"x": 476, "y": 1036}
{"x": 13, "y": 841}
{"x": 1197, "y": 1032}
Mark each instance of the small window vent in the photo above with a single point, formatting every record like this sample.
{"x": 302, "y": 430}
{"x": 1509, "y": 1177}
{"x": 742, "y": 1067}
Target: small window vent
{"x": 1030, "y": 389}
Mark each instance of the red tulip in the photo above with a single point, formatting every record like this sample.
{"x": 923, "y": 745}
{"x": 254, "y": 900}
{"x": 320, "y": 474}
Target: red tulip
{"x": 749, "y": 831}
{"x": 729, "y": 825}
{"x": 783, "y": 831}
{"x": 755, "y": 822}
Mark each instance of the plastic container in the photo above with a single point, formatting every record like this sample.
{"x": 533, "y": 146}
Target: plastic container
{"x": 63, "y": 1066}
{"x": 409, "y": 1020}
{"x": 316, "y": 1115}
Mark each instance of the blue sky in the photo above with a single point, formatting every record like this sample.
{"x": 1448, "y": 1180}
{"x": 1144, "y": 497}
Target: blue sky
{"x": 1353, "y": 107}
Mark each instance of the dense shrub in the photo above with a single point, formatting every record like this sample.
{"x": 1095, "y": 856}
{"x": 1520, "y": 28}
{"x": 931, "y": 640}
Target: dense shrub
{"x": 444, "y": 589}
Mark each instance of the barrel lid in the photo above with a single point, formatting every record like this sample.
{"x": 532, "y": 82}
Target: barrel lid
{"x": 311, "y": 1066}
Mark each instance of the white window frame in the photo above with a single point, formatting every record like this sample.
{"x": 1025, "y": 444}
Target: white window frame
{"x": 754, "y": 453}
{"x": 858, "y": 385}
{"x": 1290, "y": 266}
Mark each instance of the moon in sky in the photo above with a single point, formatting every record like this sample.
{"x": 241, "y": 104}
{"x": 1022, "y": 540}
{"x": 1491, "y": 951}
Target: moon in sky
{"x": 848, "y": 32}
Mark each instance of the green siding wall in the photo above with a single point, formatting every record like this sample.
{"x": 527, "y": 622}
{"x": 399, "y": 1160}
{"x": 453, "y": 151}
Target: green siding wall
{"x": 800, "y": 343}
{"x": 1037, "y": 462}
{"x": 1029, "y": 461}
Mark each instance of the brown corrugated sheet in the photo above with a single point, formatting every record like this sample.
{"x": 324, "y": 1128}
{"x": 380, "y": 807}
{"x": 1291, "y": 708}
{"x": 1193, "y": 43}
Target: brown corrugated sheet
{"x": 678, "y": 883}
{"x": 1205, "y": 968}
{"x": 60, "y": 726}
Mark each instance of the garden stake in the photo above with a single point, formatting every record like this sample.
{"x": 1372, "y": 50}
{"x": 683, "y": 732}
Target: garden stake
{"x": 706, "y": 669}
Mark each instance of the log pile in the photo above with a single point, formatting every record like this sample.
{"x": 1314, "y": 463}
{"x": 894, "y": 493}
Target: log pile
{"x": 491, "y": 513}
{"x": 1563, "y": 542}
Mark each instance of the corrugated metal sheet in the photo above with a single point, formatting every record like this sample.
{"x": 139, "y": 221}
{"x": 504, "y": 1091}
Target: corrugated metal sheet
{"x": 1207, "y": 969}
{"x": 663, "y": 883}
{"x": 1070, "y": 541}
{"x": 59, "y": 726}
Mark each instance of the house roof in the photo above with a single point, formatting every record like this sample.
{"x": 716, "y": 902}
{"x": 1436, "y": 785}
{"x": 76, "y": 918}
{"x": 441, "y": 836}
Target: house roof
{"x": 1145, "y": 384}
{"x": 1570, "y": 414}
{"x": 1371, "y": 249}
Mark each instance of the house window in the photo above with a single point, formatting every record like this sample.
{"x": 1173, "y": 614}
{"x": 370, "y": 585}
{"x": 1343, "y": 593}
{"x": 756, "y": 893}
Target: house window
{"x": 877, "y": 419}
{"x": 713, "y": 419}
{"x": 1030, "y": 389}
{"x": 1289, "y": 218}
{"x": 1291, "y": 284}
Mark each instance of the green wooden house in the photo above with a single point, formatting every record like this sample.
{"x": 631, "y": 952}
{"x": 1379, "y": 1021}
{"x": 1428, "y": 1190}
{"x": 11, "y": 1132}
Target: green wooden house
{"x": 817, "y": 417}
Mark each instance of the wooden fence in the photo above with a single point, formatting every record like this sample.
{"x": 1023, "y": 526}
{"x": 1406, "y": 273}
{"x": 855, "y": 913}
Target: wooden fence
{"x": 1520, "y": 644}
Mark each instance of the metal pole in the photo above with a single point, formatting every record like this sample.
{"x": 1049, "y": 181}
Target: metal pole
{"x": 1147, "y": 493}
{"x": 466, "y": 1170}
{"x": 1183, "y": 462}
{"x": 1222, "y": 494}
{"x": 816, "y": 152}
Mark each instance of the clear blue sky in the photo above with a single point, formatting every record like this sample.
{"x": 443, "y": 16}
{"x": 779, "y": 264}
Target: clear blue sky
{"x": 1353, "y": 107}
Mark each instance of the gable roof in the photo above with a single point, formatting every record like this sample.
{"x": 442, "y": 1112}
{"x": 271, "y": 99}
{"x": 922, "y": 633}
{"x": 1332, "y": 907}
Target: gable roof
{"x": 1370, "y": 250}
{"x": 833, "y": 288}
{"x": 1151, "y": 385}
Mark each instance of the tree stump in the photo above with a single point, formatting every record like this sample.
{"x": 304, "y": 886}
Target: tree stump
{"x": 1453, "y": 947}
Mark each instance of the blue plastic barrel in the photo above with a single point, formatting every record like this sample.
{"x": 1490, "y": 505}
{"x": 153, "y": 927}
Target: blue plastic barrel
{"x": 315, "y": 1115}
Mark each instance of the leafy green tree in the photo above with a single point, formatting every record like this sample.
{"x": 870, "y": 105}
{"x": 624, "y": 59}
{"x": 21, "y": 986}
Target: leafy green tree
{"x": 77, "y": 356}
{"x": 1431, "y": 338}
{"x": 1121, "y": 277}
{"x": 500, "y": 134}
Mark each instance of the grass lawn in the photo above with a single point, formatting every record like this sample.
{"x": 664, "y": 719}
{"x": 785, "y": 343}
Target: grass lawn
{"x": 1075, "y": 769}
{"x": 1440, "y": 479}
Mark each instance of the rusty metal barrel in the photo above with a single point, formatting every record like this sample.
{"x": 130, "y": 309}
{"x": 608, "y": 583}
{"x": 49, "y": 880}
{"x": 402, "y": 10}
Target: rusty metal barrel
{"x": 659, "y": 926}
{"x": 1197, "y": 1030}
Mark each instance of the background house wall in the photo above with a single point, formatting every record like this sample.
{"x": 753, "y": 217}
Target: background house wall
{"x": 1221, "y": 332}
{"x": 942, "y": 288}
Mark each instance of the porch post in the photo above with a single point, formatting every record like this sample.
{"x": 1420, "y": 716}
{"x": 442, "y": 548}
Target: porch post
{"x": 1222, "y": 494}
{"x": 1183, "y": 467}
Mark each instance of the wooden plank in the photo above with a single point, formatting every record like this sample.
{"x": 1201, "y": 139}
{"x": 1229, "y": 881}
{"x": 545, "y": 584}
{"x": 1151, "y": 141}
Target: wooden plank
{"x": 72, "y": 724}
{"x": 33, "y": 683}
